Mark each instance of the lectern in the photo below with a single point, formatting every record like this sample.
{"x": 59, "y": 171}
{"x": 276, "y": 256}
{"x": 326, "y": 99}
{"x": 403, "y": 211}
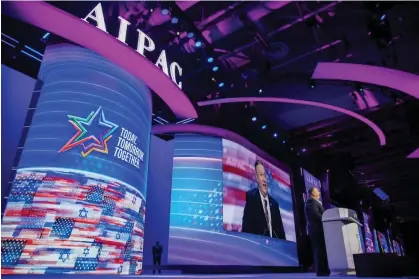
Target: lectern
{"x": 342, "y": 238}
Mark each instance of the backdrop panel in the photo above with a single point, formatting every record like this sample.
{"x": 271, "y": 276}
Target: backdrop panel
{"x": 197, "y": 236}
{"x": 77, "y": 203}
{"x": 158, "y": 198}
{"x": 16, "y": 94}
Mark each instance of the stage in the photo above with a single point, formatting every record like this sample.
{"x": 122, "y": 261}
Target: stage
{"x": 191, "y": 276}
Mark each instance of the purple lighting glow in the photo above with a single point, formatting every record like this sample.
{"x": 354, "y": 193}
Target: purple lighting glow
{"x": 372, "y": 125}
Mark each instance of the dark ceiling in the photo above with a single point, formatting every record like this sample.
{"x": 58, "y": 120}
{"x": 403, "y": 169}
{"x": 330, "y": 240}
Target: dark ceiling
{"x": 271, "y": 49}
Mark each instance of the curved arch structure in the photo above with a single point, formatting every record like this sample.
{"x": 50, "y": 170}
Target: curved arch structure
{"x": 399, "y": 80}
{"x": 372, "y": 125}
{"x": 216, "y": 132}
{"x": 67, "y": 26}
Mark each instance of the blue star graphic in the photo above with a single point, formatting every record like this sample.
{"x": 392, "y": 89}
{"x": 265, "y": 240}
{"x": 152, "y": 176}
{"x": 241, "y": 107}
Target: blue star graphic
{"x": 83, "y": 213}
{"x": 64, "y": 256}
{"x": 86, "y": 251}
{"x": 98, "y": 128}
{"x": 83, "y": 136}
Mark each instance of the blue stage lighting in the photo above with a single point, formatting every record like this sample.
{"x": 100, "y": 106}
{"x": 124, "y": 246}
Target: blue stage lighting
{"x": 260, "y": 90}
{"x": 254, "y": 118}
{"x": 165, "y": 12}
{"x": 214, "y": 69}
{"x": 198, "y": 44}
{"x": 275, "y": 135}
{"x": 175, "y": 20}
{"x": 190, "y": 35}
{"x": 210, "y": 60}
{"x": 221, "y": 84}
{"x": 284, "y": 142}
{"x": 263, "y": 127}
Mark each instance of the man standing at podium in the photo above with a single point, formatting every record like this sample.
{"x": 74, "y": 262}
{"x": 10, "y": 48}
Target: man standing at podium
{"x": 314, "y": 211}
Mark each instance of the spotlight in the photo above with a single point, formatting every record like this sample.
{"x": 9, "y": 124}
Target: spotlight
{"x": 178, "y": 33}
{"x": 275, "y": 135}
{"x": 175, "y": 20}
{"x": 303, "y": 150}
{"x": 165, "y": 12}
{"x": 359, "y": 88}
{"x": 198, "y": 44}
{"x": 284, "y": 142}
{"x": 214, "y": 69}
{"x": 254, "y": 119}
{"x": 263, "y": 127}
{"x": 210, "y": 60}
{"x": 312, "y": 84}
{"x": 151, "y": 10}
{"x": 383, "y": 17}
{"x": 190, "y": 35}
{"x": 221, "y": 84}
{"x": 260, "y": 90}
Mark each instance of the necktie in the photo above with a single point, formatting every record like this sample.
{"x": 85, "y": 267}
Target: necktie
{"x": 266, "y": 212}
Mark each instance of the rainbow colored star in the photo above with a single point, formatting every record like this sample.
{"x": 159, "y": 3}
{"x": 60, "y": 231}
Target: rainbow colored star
{"x": 80, "y": 137}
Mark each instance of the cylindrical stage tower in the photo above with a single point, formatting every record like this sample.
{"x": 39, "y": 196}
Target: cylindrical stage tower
{"x": 77, "y": 203}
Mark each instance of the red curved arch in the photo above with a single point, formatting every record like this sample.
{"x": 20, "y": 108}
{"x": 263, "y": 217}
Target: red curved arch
{"x": 63, "y": 24}
{"x": 372, "y": 125}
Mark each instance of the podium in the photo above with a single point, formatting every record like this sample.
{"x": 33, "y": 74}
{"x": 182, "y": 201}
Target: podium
{"x": 342, "y": 238}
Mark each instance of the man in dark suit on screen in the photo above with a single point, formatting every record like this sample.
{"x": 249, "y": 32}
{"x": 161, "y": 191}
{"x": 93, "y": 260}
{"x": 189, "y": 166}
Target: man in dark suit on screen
{"x": 314, "y": 211}
{"x": 261, "y": 213}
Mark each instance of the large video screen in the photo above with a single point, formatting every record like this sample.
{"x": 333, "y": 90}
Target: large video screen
{"x": 244, "y": 207}
{"x": 369, "y": 238}
{"x": 77, "y": 202}
{"x": 206, "y": 191}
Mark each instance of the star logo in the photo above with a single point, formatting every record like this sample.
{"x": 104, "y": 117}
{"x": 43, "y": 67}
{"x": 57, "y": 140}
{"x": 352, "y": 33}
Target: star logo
{"x": 86, "y": 251}
{"x": 64, "y": 256}
{"x": 90, "y": 142}
{"x": 83, "y": 213}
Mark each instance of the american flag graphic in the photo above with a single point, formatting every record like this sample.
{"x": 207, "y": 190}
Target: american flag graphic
{"x": 68, "y": 221}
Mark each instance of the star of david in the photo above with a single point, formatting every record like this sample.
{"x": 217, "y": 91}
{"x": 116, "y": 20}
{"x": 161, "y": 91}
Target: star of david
{"x": 64, "y": 256}
{"x": 83, "y": 213}
{"x": 86, "y": 251}
{"x": 98, "y": 140}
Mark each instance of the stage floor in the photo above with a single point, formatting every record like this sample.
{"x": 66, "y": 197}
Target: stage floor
{"x": 191, "y": 276}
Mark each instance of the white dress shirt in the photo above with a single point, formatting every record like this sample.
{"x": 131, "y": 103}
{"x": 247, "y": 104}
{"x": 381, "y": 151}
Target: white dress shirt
{"x": 262, "y": 199}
